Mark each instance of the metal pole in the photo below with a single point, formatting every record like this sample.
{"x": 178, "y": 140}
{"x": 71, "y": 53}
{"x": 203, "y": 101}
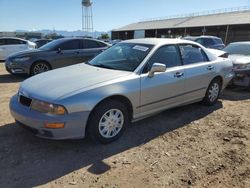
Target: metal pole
{"x": 226, "y": 35}
{"x": 185, "y": 31}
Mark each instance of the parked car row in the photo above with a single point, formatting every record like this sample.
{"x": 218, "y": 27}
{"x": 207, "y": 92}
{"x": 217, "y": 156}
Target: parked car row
{"x": 55, "y": 54}
{"x": 10, "y": 45}
{"x": 127, "y": 82}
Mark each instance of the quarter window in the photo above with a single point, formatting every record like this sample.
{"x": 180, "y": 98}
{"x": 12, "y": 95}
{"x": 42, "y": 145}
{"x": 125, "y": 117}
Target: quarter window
{"x": 192, "y": 54}
{"x": 168, "y": 55}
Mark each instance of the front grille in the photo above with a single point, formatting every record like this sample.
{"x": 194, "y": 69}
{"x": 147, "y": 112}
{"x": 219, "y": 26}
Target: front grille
{"x": 25, "y": 100}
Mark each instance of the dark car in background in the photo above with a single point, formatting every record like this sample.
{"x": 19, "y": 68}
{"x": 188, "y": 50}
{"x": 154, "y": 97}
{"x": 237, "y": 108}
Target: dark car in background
{"x": 41, "y": 42}
{"x": 207, "y": 41}
{"x": 239, "y": 53}
{"x": 58, "y": 53}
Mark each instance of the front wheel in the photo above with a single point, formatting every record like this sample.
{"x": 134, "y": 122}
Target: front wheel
{"x": 108, "y": 121}
{"x": 213, "y": 92}
{"x": 39, "y": 67}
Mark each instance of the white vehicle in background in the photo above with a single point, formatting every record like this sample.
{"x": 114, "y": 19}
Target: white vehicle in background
{"x": 10, "y": 45}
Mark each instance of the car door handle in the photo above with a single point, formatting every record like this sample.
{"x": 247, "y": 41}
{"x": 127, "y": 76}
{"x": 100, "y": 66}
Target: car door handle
{"x": 178, "y": 74}
{"x": 76, "y": 52}
{"x": 210, "y": 67}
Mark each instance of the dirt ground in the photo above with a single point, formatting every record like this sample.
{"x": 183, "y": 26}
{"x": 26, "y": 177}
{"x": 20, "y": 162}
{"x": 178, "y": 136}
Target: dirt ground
{"x": 190, "y": 146}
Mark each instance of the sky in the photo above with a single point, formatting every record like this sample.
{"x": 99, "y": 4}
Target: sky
{"x": 111, "y": 14}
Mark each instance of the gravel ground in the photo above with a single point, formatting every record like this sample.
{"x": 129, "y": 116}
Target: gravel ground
{"x": 190, "y": 146}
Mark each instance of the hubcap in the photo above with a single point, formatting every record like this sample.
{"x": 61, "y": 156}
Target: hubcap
{"x": 40, "y": 67}
{"x": 111, "y": 123}
{"x": 213, "y": 92}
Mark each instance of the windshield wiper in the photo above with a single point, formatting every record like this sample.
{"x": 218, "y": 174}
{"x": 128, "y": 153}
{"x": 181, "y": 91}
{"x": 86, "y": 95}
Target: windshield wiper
{"x": 103, "y": 66}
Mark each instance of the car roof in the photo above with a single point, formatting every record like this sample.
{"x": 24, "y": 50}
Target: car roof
{"x": 158, "y": 41}
{"x": 202, "y": 36}
{"x": 80, "y": 38}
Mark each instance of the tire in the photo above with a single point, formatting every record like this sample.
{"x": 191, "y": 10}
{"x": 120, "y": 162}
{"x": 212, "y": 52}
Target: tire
{"x": 107, "y": 122}
{"x": 212, "y": 93}
{"x": 39, "y": 67}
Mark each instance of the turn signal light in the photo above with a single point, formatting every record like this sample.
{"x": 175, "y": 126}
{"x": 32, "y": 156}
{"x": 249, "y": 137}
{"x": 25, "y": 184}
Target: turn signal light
{"x": 54, "y": 125}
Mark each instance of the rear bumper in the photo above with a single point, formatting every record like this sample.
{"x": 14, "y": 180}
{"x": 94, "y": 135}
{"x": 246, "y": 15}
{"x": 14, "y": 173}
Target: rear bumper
{"x": 75, "y": 123}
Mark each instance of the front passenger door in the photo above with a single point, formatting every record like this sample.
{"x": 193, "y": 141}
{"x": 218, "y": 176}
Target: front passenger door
{"x": 66, "y": 54}
{"x": 165, "y": 89}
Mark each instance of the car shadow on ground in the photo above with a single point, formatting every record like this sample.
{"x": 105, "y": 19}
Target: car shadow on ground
{"x": 235, "y": 94}
{"x": 9, "y": 78}
{"x": 27, "y": 161}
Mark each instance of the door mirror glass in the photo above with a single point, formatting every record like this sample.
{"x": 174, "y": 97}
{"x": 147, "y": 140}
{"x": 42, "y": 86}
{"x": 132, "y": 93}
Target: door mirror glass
{"x": 156, "y": 67}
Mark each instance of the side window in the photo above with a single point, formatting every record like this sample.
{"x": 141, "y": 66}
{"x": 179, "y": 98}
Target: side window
{"x": 200, "y": 41}
{"x": 87, "y": 44}
{"x": 168, "y": 55}
{"x": 15, "y": 42}
{"x": 192, "y": 54}
{"x": 102, "y": 44}
{"x": 70, "y": 45}
{"x": 2, "y": 42}
{"x": 208, "y": 42}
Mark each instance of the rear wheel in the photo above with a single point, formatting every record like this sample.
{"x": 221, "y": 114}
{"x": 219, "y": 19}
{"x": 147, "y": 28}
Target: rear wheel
{"x": 213, "y": 92}
{"x": 108, "y": 121}
{"x": 39, "y": 67}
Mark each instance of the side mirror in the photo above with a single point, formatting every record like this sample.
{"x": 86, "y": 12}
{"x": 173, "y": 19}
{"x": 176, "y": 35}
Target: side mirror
{"x": 156, "y": 67}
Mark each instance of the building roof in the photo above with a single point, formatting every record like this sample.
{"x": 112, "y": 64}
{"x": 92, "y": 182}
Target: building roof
{"x": 228, "y": 18}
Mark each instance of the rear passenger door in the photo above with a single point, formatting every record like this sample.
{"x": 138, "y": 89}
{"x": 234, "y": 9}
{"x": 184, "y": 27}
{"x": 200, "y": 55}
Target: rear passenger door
{"x": 164, "y": 89}
{"x": 199, "y": 71}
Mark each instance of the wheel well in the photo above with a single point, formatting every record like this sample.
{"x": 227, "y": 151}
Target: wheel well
{"x": 119, "y": 98}
{"x": 38, "y": 61}
{"x": 220, "y": 80}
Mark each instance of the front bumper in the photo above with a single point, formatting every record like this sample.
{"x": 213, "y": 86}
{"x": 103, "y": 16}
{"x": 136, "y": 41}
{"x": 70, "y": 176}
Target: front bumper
{"x": 242, "y": 78}
{"x": 16, "y": 68}
{"x": 75, "y": 123}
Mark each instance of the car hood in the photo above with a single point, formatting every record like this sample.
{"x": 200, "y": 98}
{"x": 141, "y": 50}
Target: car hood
{"x": 55, "y": 84}
{"x": 240, "y": 59}
{"x": 25, "y": 53}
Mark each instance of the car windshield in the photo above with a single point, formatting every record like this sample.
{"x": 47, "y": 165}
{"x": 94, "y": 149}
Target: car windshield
{"x": 122, "y": 56}
{"x": 51, "y": 45}
{"x": 238, "y": 48}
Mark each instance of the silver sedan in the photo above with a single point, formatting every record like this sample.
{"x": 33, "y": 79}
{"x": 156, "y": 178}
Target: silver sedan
{"x": 130, "y": 81}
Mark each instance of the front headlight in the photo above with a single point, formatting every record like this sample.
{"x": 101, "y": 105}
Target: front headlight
{"x": 21, "y": 59}
{"x": 242, "y": 66}
{"x": 48, "y": 108}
